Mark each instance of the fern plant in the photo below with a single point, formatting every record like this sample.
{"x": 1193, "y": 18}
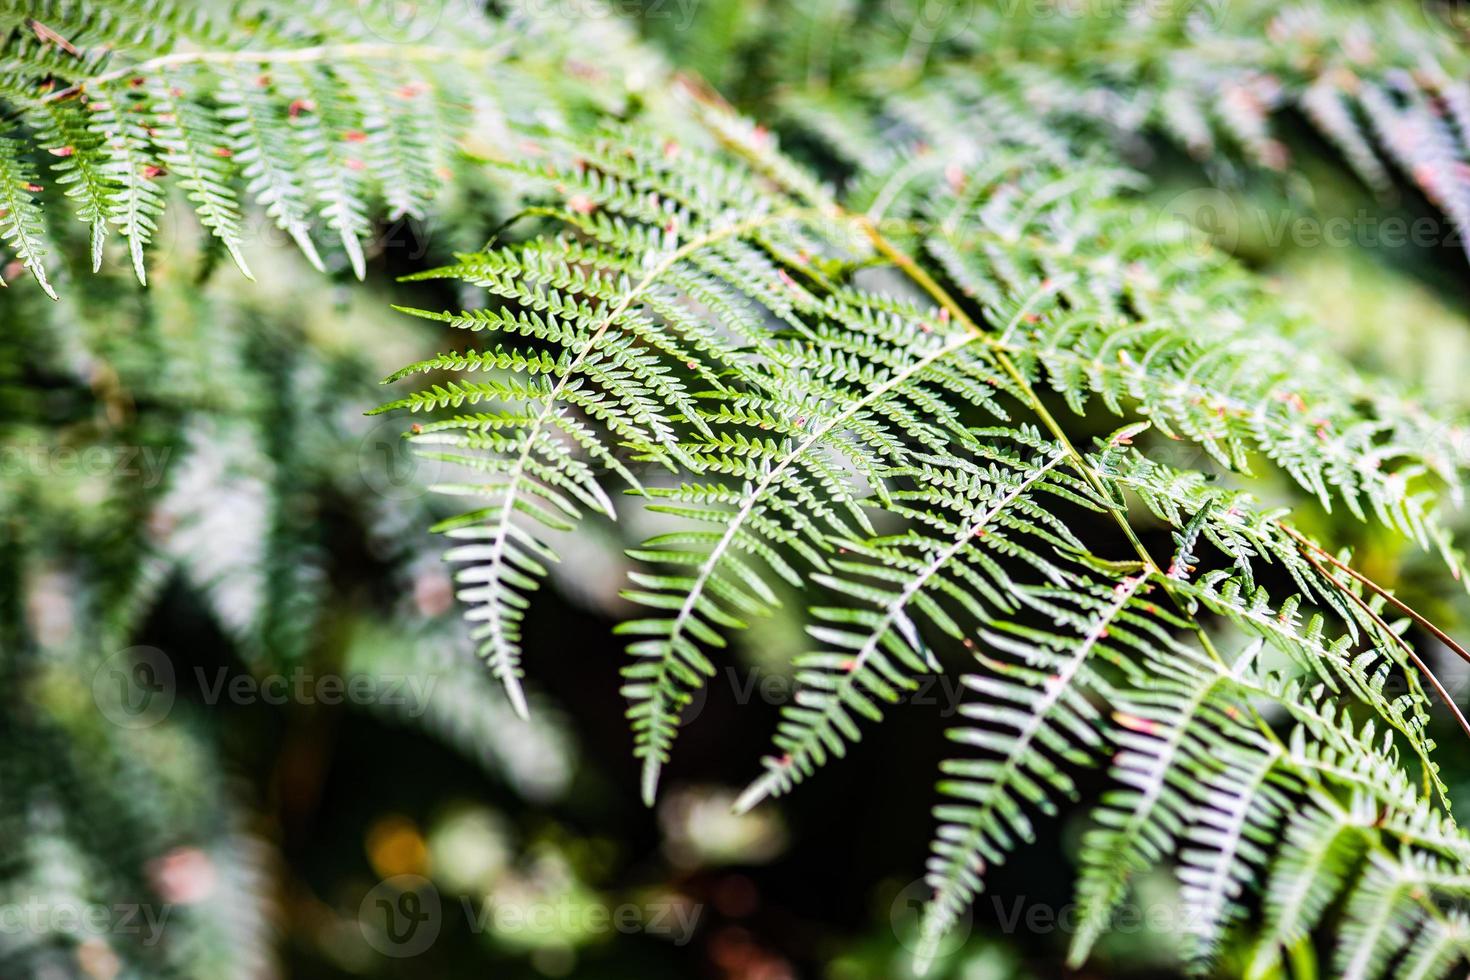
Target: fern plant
{"x": 859, "y": 401}
{"x": 918, "y": 387}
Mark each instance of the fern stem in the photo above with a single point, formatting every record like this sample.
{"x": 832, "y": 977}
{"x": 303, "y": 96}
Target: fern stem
{"x": 1399, "y": 641}
{"x": 947, "y": 302}
{"x": 1398, "y": 603}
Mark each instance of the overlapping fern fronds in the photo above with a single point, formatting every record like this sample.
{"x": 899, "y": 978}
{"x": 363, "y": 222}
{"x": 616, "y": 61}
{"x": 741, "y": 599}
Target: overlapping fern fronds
{"x": 1384, "y": 84}
{"x": 271, "y": 120}
{"x": 724, "y": 316}
{"x": 885, "y": 394}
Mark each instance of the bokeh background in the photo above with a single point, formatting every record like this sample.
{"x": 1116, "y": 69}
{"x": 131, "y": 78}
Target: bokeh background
{"x": 195, "y": 507}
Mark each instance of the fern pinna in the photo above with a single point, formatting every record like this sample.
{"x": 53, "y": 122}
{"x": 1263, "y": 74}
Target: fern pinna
{"x": 887, "y": 395}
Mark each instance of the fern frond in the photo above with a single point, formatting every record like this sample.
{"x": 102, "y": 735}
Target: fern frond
{"x": 1037, "y": 720}
{"x": 324, "y": 125}
{"x": 873, "y": 660}
{"x": 20, "y": 224}
{"x": 616, "y": 313}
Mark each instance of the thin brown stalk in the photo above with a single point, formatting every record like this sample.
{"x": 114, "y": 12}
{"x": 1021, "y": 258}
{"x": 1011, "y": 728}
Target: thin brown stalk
{"x": 1419, "y": 664}
{"x": 1394, "y": 600}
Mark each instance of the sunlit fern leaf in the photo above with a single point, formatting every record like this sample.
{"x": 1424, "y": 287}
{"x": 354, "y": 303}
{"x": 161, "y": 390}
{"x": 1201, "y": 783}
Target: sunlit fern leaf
{"x": 1037, "y": 722}
{"x": 77, "y": 162}
{"x": 1227, "y": 845}
{"x": 195, "y": 151}
{"x": 267, "y": 155}
{"x": 326, "y": 126}
{"x": 300, "y": 109}
{"x": 1380, "y": 916}
{"x": 827, "y": 399}
{"x": 618, "y": 313}
{"x": 1339, "y": 662}
{"x": 991, "y": 510}
{"x": 1173, "y": 729}
{"x": 20, "y": 223}
{"x": 1184, "y": 343}
{"x": 836, "y": 448}
{"x": 1321, "y": 848}
{"x": 1437, "y": 948}
{"x": 130, "y": 167}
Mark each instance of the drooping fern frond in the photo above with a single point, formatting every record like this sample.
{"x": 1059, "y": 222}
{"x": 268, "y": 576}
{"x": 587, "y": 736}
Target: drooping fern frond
{"x": 627, "y": 349}
{"x": 995, "y": 502}
{"x": 308, "y": 115}
{"x": 1200, "y": 778}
